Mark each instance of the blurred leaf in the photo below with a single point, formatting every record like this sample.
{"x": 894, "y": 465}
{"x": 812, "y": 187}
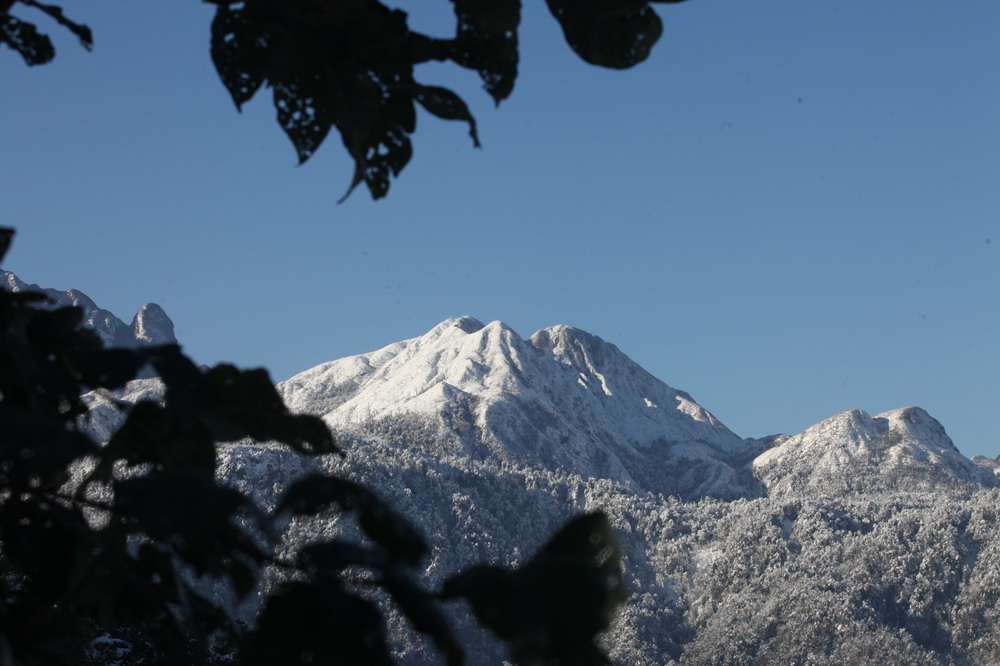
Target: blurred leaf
{"x": 188, "y": 512}
{"x": 588, "y": 538}
{"x": 335, "y": 555}
{"x": 147, "y": 437}
{"x": 315, "y": 493}
{"x": 81, "y": 31}
{"x": 417, "y": 606}
{"x": 552, "y": 609}
{"x": 43, "y": 539}
{"x": 244, "y": 403}
{"x": 495, "y": 596}
{"x": 23, "y": 37}
{"x": 36, "y": 450}
{"x": 393, "y": 532}
{"x": 316, "y": 624}
{"x": 108, "y": 368}
{"x": 186, "y": 387}
{"x": 6, "y": 238}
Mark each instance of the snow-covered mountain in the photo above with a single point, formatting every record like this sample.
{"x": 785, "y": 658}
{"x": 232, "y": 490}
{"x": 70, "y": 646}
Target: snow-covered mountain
{"x": 860, "y": 540}
{"x": 853, "y": 452}
{"x": 150, "y": 326}
{"x": 562, "y": 400}
{"x": 565, "y": 400}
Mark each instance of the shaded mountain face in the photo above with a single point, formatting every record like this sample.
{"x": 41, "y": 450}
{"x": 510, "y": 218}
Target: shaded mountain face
{"x": 150, "y": 326}
{"x": 562, "y": 400}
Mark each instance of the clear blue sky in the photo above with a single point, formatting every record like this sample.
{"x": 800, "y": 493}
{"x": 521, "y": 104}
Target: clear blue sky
{"x": 791, "y": 209}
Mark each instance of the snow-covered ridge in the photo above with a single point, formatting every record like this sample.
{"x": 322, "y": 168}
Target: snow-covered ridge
{"x": 150, "y": 325}
{"x": 563, "y": 399}
{"x": 566, "y": 400}
{"x": 853, "y": 451}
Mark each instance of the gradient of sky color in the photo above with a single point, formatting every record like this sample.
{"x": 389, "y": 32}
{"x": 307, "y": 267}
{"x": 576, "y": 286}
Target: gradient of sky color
{"x": 791, "y": 209}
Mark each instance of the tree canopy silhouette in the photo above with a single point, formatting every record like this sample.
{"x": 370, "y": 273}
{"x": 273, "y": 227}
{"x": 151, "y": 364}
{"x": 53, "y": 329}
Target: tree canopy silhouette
{"x": 349, "y": 64}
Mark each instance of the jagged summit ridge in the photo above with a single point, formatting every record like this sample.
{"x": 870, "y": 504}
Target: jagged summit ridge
{"x": 150, "y": 326}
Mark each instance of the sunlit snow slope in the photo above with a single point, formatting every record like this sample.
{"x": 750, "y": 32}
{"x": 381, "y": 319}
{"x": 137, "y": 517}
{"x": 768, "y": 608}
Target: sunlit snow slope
{"x": 854, "y": 452}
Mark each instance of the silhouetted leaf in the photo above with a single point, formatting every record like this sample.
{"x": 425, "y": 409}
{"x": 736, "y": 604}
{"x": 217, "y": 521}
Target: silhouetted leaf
{"x": 588, "y": 538}
{"x": 240, "y": 50}
{"x": 302, "y": 117}
{"x": 81, "y": 31}
{"x": 445, "y": 104}
{"x": 486, "y": 41}
{"x": 316, "y": 624}
{"x": 244, "y": 403}
{"x": 6, "y": 238}
{"x": 609, "y": 33}
{"x": 393, "y": 532}
{"x": 36, "y": 450}
{"x": 315, "y": 493}
{"x": 551, "y": 610}
{"x": 495, "y": 596}
{"x": 147, "y": 437}
{"x": 375, "y": 129}
{"x": 195, "y": 517}
{"x": 418, "y": 607}
{"x": 335, "y": 554}
{"x": 43, "y": 539}
{"x": 108, "y": 368}
{"x": 23, "y": 37}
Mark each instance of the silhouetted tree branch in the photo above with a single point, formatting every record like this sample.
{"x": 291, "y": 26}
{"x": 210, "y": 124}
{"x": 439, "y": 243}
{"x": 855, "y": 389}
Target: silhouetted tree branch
{"x": 348, "y": 64}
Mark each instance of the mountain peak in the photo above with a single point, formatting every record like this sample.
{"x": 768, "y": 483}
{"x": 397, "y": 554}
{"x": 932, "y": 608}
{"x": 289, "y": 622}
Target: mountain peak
{"x": 464, "y": 324}
{"x": 855, "y": 452}
{"x": 566, "y": 399}
{"x": 150, "y": 326}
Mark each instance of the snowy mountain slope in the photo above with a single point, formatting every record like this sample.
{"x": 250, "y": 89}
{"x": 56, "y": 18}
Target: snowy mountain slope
{"x": 854, "y": 452}
{"x": 563, "y": 400}
{"x": 488, "y": 442}
{"x": 150, "y": 326}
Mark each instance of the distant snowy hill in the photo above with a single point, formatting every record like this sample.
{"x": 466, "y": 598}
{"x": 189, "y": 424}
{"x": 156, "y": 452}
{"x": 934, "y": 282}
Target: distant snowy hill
{"x": 150, "y": 326}
{"x": 853, "y": 452}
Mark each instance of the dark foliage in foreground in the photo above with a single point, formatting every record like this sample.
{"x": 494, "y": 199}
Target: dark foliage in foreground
{"x": 349, "y": 64}
{"x": 119, "y": 538}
